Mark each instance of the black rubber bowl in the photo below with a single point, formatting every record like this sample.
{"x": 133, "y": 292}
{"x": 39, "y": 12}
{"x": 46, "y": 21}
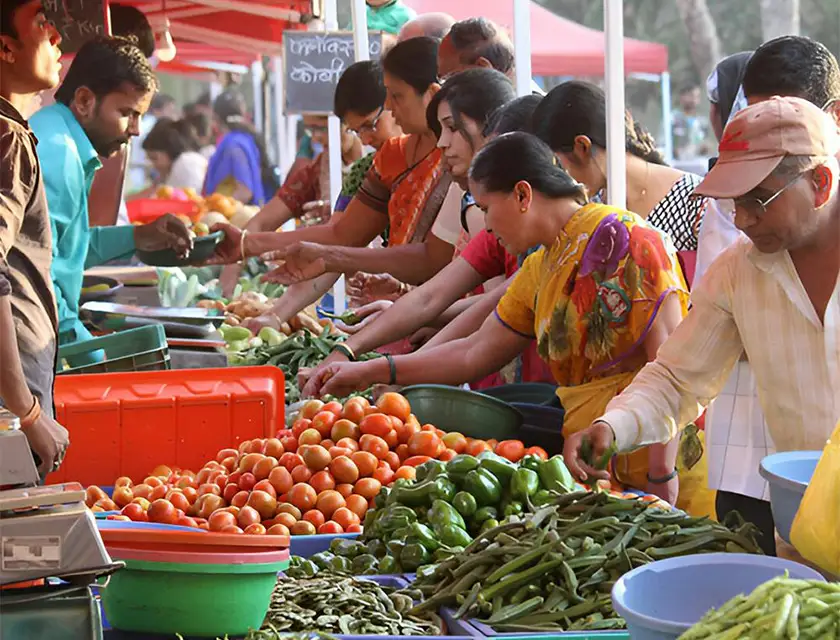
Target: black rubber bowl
{"x": 203, "y": 248}
{"x": 98, "y": 288}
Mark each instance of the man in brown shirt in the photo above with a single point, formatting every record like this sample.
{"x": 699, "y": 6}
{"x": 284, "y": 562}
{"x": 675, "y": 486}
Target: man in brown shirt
{"x": 29, "y": 63}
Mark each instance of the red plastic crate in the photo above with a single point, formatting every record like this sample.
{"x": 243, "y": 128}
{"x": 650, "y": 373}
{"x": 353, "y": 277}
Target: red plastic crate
{"x": 126, "y": 424}
{"x": 148, "y": 210}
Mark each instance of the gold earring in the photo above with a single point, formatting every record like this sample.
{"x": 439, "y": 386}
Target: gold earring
{"x": 523, "y": 209}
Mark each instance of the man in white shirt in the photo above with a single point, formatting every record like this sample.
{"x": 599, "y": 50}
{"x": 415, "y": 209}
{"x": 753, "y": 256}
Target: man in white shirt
{"x": 774, "y": 296}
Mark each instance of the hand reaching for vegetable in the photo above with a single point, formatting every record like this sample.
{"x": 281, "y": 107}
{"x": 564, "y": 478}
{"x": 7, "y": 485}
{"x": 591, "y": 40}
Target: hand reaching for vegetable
{"x": 167, "y": 232}
{"x": 229, "y": 278}
{"x": 668, "y": 491}
{"x": 229, "y": 250}
{"x": 301, "y": 261}
{"x": 269, "y": 319}
{"x": 340, "y": 379}
{"x": 357, "y": 319}
{"x": 583, "y": 450}
{"x": 364, "y": 288}
{"x": 307, "y": 378}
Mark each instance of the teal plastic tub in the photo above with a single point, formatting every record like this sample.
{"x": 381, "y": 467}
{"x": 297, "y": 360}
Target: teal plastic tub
{"x": 141, "y": 349}
{"x": 55, "y": 612}
{"x": 202, "y": 600}
{"x": 473, "y": 414}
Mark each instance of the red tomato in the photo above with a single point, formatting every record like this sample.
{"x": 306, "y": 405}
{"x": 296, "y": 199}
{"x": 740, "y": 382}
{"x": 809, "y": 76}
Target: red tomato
{"x": 384, "y": 473}
{"x": 374, "y": 444}
{"x": 330, "y": 527}
{"x": 123, "y": 481}
{"x": 273, "y": 448}
{"x": 178, "y": 499}
{"x": 278, "y": 530}
{"x": 263, "y": 468}
{"x": 135, "y": 512}
{"x": 162, "y": 511}
{"x": 247, "y": 481}
{"x": 323, "y": 423}
{"x": 395, "y": 405}
{"x": 301, "y": 474}
{"x": 377, "y": 424}
{"x": 218, "y": 520}
{"x": 207, "y": 504}
{"x": 240, "y": 499}
{"x": 315, "y": 517}
{"x": 255, "y": 529}
{"x": 344, "y": 429}
{"x": 248, "y": 516}
{"x": 354, "y": 528}
{"x": 424, "y": 443}
{"x": 229, "y": 491}
{"x": 265, "y": 485}
{"x": 222, "y": 480}
{"x": 333, "y": 407}
{"x": 231, "y": 529}
{"x": 355, "y": 409}
{"x": 537, "y": 451}
{"x": 290, "y": 443}
{"x": 415, "y": 461}
{"x": 310, "y": 409}
{"x": 447, "y": 455}
{"x": 322, "y": 481}
{"x": 263, "y": 502}
{"x": 513, "y": 450}
{"x": 226, "y": 453}
{"x": 300, "y": 425}
{"x": 291, "y": 460}
{"x": 281, "y": 479}
{"x": 348, "y": 443}
{"x": 122, "y": 496}
{"x": 186, "y": 521}
{"x": 393, "y": 460}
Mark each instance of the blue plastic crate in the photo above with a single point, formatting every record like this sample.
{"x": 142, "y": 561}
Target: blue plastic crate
{"x": 306, "y": 546}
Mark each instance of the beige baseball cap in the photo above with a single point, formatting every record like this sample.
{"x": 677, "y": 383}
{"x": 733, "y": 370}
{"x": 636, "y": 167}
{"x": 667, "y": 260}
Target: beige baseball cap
{"x": 757, "y": 139}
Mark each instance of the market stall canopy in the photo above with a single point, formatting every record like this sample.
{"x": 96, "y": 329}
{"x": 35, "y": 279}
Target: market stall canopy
{"x": 559, "y": 47}
{"x": 194, "y": 57}
{"x": 250, "y": 26}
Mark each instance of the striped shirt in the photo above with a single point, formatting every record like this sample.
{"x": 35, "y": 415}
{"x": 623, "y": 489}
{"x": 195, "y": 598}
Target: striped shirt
{"x": 750, "y": 302}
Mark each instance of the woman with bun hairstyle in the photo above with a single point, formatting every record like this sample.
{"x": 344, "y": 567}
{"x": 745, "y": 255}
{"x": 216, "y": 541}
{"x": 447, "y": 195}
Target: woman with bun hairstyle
{"x": 600, "y": 296}
{"x": 572, "y": 120}
{"x": 174, "y": 151}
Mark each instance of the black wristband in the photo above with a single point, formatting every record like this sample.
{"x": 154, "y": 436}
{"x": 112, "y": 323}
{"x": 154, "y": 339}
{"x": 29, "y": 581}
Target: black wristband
{"x": 392, "y": 366}
{"x": 346, "y": 351}
{"x": 663, "y": 479}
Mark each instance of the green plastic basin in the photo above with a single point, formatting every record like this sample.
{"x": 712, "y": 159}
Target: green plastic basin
{"x": 204, "y": 600}
{"x": 472, "y": 414}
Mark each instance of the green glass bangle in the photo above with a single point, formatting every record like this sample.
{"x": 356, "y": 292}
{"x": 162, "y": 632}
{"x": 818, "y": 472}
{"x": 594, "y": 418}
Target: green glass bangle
{"x": 393, "y": 368}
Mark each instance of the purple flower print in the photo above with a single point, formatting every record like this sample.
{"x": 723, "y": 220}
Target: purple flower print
{"x": 609, "y": 243}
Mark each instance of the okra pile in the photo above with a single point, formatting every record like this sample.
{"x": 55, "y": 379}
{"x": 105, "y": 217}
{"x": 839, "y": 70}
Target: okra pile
{"x": 418, "y": 523}
{"x": 780, "y": 608}
{"x": 554, "y": 570}
{"x": 347, "y": 606}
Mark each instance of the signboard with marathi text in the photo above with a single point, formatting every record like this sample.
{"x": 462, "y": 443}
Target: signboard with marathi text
{"x": 77, "y": 21}
{"x": 313, "y": 62}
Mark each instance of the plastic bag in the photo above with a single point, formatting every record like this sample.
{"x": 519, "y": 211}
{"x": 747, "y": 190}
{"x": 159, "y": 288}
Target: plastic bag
{"x": 816, "y": 528}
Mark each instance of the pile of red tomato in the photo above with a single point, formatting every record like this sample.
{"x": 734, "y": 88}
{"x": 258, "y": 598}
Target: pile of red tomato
{"x": 320, "y": 476}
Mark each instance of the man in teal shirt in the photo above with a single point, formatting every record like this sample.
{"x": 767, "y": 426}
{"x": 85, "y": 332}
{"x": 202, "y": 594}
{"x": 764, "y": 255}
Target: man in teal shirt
{"x": 98, "y": 108}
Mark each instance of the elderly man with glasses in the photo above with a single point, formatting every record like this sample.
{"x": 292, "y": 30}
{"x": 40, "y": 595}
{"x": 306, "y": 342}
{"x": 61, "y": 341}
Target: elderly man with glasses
{"x": 774, "y": 295}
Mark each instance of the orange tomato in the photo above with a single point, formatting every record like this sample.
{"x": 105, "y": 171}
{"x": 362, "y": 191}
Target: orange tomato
{"x": 231, "y": 463}
{"x": 290, "y": 443}
{"x": 367, "y": 487}
{"x": 186, "y": 521}
{"x": 336, "y": 452}
{"x": 265, "y": 485}
{"x": 327, "y": 443}
{"x": 123, "y": 481}
{"x": 416, "y": 461}
{"x": 106, "y": 504}
{"x": 286, "y": 519}
{"x": 231, "y": 529}
{"x": 344, "y": 470}
{"x": 344, "y": 517}
{"x": 145, "y": 504}
{"x": 303, "y": 496}
{"x": 405, "y": 473}
{"x": 374, "y": 444}
{"x": 311, "y": 408}
{"x": 455, "y": 441}
{"x": 492, "y": 442}
{"x": 405, "y": 431}
{"x": 280, "y": 479}
{"x": 330, "y": 528}
{"x": 248, "y": 516}
{"x": 476, "y": 447}
{"x": 424, "y": 443}
{"x": 218, "y": 520}
{"x": 355, "y": 409}
{"x": 255, "y": 529}
{"x": 447, "y": 455}
{"x": 287, "y": 507}
{"x": 357, "y": 504}
{"x": 303, "y": 528}
{"x": 239, "y": 499}
{"x": 345, "y": 489}
{"x": 135, "y": 512}
{"x": 323, "y": 423}
{"x": 122, "y": 496}
{"x": 391, "y": 439}
{"x": 365, "y": 462}
{"x": 263, "y": 502}
{"x": 394, "y": 404}
{"x": 384, "y": 473}
{"x": 322, "y": 481}
{"x": 317, "y": 458}
{"x": 348, "y": 443}
{"x": 354, "y": 528}
{"x": 274, "y": 448}
{"x": 377, "y": 424}
{"x": 315, "y": 517}
{"x": 402, "y": 451}
{"x": 513, "y": 450}
{"x": 178, "y": 499}
{"x": 264, "y": 467}
{"x": 333, "y": 407}
{"x": 310, "y": 436}
{"x": 226, "y": 453}
{"x": 329, "y": 501}
{"x": 205, "y": 488}
{"x": 393, "y": 460}
{"x": 344, "y": 429}
{"x": 278, "y": 530}
{"x": 291, "y": 460}
{"x": 537, "y": 451}
{"x": 301, "y": 474}
{"x": 248, "y": 461}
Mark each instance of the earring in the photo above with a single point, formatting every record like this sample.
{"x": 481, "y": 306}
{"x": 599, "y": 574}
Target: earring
{"x": 523, "y": 209}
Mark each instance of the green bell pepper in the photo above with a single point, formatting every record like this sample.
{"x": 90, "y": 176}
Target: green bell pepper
{"x": 376, "y": 548}
{"x": 413, "y": 556}
{"x": 542, "y": 497}
{"x": 531, "y": 462}
{"x": 453, "y": 536}
{"x": 500, "y": 467}
{"x": 424, "y": 493}
{"x": 365, "y": 565}
{"x": 395, "y": 547}
{"x": 395, "y": 517}
{"x": 460, "y": 466}
{"x": 492, "y": 523}
{"x": 513, "y": 508}
{"x": 382, "y": 497}
{"x": 307, "y": 569}
{"x": 347, "y": 548}
{"x": 444, "y": 553}
{"x": 484, "y": 486}
{"x": 322, "y": 559}
{"x": 555, "y": 476}
{"x": 524, "y": 483}
{"x": 389, "y": 565}
{"x": 425, "y": 536}
{"x": 429, "y": 470}
{"x": 485, "y": 513}
{"x": 340, "y": 564}
{"x": 464, "y": 504}
{"x": 370, "y": 521}
{"x": 442, "y": 514}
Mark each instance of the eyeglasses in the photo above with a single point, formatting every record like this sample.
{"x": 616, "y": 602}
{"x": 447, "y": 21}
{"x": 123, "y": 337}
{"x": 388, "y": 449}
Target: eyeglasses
{"x": 758, "y": 208}
{"x": 369, "y": 127}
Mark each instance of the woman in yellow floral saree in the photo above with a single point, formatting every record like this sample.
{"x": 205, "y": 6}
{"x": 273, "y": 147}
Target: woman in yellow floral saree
{"x": 601, "y": 294}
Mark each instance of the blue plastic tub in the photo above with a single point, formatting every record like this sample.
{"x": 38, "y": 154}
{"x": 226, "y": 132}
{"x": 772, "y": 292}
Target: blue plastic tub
{"x": 122, "y": 524}
{"x": 662, "y": 600}
{"x": 475, "y": 629}
{"x": 788, "y": 475}
{"x": 305, "y": 546}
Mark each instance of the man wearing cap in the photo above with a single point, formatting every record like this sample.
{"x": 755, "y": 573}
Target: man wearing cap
{"x": 773, "y": 295}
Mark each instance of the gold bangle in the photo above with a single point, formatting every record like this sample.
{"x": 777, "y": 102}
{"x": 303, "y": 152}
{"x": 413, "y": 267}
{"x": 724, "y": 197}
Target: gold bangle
{"x": 32, "y": 415}
{"x": 345, "y": 350}
{"x": 242, "y": 245}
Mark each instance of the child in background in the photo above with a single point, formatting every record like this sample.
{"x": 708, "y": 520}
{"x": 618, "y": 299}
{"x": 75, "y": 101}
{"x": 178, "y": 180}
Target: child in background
{"x": 388, "y": 15}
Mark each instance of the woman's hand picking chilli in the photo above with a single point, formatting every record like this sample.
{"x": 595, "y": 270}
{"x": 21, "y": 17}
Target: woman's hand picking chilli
{"x": 301, "y": 261}
{"x": 600, "y": 437}
{"x": 229, "y": 250}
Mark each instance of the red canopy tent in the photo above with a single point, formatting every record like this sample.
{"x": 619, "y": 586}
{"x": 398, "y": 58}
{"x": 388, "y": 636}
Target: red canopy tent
{"x": 559, "y": 47}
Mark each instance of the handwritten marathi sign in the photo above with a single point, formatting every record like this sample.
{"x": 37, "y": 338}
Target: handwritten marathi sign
{"x": 76, "y": 20}
{"x": 313, "y": 64}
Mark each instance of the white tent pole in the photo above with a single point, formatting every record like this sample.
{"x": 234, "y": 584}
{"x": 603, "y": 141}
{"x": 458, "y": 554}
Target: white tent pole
{"x": 614, "y": 81}
{"x": 522, "y": 45}
{"x": 331, "y": 24}
{"x": 256, "y": 82}
{"x": 361, "y": 45}
{"x": 667, "y": 132}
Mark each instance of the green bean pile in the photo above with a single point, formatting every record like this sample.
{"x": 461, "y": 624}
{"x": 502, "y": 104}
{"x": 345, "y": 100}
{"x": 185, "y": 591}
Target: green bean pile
{"x": 780, "y": 608}
{"x": 554, "y": 570}
{"x": 347, "y": 606}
